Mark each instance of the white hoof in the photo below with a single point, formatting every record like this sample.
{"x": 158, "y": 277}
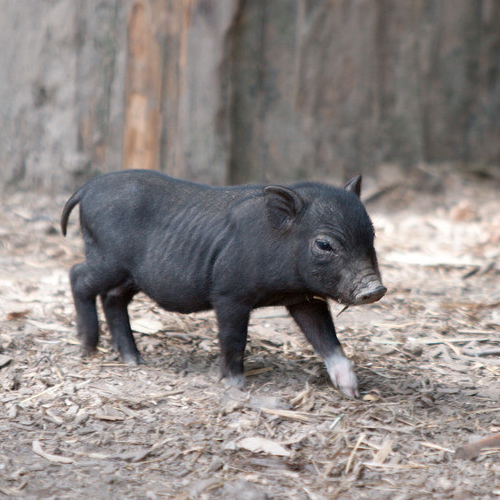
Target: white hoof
{"x": 342, "y": 374}
{"x": 237, "y": 381}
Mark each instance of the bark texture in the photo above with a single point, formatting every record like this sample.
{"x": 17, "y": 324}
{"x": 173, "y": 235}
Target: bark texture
{"x": 236, "y": 90}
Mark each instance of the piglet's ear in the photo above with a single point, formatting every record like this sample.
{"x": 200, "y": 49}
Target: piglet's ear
{"x": 354, "y": 185}
{"x": 282, "y": 206}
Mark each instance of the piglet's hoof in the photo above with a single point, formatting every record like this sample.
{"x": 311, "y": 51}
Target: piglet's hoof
{"x": 133, "y": 359}
{"x": 236, "y": 381}
{"x": 88, "y": 350}
{"x": 342, "y": 375}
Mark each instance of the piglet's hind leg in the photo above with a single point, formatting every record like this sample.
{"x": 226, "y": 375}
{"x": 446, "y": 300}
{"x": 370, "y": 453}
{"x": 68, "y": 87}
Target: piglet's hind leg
{"x": 233, "y": 327}
{"x": 114, "y": 304}
{"x": 84, "y": 294}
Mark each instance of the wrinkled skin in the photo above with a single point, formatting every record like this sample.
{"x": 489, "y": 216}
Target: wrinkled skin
{"x": 192, "y": 247}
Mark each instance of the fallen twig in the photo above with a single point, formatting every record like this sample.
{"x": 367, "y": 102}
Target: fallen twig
{"x": 483, "y": 352}
{"x": 470, "y": 305}
{"x": 472, "y": 450}
{"x": 56, "y": 386}
{"x": 351, "y": 456}
{"x": 58, "y": 459}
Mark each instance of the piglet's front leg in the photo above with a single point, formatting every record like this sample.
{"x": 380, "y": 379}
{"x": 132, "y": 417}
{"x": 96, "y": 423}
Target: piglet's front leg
{"x": 341, "y": 373}
{"x": 233, "y": 325}
{"x": 315, "y": 320}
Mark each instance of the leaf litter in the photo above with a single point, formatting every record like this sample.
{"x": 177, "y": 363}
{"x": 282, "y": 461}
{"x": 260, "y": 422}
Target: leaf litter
{"x": 426, "y": 358}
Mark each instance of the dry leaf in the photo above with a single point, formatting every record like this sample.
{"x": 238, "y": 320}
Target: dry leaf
{"x": 147, "y": 326}
{"x": 383, "y": 452}
{"x": 268, "y": 403}
{"x": 258, "y": 444}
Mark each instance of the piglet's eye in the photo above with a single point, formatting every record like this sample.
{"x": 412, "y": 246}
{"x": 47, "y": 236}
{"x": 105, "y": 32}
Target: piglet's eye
{"x": 324, "y": 246}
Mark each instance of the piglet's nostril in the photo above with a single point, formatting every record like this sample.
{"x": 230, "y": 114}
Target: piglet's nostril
{"x": 371, "y": 295}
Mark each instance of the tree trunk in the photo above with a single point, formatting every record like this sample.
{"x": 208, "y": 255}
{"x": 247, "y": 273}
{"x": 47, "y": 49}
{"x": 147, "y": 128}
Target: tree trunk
{"x": 231, "y": 91}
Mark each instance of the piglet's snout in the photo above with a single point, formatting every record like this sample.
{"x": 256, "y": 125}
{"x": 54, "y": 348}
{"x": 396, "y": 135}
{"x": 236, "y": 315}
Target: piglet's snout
{"x": 370, "y": 291}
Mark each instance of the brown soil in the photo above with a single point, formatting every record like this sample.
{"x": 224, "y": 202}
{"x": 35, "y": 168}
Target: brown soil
{"x": 427, "y": 358}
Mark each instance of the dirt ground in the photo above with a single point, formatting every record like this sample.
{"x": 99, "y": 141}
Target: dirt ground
{"x": 427, "y": 358}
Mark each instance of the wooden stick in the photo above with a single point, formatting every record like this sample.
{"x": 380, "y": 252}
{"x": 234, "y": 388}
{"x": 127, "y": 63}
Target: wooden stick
{"x": 472, "y": 450}
{"x": 351, "y": 456}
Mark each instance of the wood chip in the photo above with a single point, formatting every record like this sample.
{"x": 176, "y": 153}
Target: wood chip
{"x": 4, "y": 360}
{"x": 426, "y": 260}
{"x": 351, "y": 456}
{"x": 292, "y": 415}
{"x": 436, "y": 447}
{"x": 470, "y": 305}
{"x": 445, "y": 340}
{"x": 258, "y": 371}
{"x": 57, "y": 459}
{"x": 15, "y": 315}
{"x": 383, "y": 452}
{"x": 50, "y": 389}
{"x": 106, "y": 416}
{"x": 147, "y": 326}
{"x": 370, "y": 397}
{"x": 259, "y": 444}
{"x": 472, "y": 450}
{"x": 109, "y": 418}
